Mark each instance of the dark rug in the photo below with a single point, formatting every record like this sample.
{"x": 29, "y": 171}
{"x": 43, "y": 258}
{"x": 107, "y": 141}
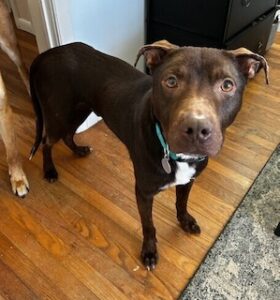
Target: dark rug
{"x": 244, "y": 263}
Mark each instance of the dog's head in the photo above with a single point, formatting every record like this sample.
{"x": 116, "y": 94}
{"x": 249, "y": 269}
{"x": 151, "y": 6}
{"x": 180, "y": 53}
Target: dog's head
{"x": 197, "y": 92}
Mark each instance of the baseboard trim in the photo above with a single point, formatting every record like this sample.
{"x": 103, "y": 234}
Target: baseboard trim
{"x": 24, "y": 25}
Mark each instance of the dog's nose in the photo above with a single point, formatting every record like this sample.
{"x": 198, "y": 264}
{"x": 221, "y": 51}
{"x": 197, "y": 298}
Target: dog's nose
{"x": 198, "y": 128}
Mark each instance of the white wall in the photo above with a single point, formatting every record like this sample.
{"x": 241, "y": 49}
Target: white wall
{"x": 115, "y": 27}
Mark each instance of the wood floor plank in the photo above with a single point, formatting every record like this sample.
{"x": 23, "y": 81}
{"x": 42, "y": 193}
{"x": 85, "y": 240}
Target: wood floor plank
{"x": 12, "y": 287}
{"x": 80, "y": 238}
{"x": 37, "y": 282}
{"x": 40, "y": 247}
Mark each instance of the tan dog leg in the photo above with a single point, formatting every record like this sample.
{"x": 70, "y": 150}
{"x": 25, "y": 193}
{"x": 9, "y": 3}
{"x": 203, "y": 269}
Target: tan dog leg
{"x": 18, "y": 179}
{"x": 8, "y": 43}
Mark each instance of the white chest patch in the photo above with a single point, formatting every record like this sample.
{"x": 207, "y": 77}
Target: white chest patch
{"x": 183, "y": 175}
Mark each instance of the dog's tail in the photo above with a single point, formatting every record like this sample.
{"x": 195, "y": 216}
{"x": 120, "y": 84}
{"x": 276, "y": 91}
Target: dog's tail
{"x": 39, "y": 116}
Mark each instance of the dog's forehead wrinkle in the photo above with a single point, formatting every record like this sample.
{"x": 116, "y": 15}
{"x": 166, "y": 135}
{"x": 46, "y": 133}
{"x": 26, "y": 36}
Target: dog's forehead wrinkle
{"x": 199, "y": 64}
{"x": 201, "y": 55}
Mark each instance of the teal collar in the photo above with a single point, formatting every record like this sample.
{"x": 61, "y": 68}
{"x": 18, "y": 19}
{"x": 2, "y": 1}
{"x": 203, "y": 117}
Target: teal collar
{"x": 167, "y": 152}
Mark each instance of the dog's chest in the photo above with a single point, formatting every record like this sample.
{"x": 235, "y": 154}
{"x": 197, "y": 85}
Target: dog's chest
{"x": 183, "y": 175}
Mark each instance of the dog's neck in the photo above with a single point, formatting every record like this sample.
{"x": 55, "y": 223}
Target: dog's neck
{"x": 165, "y": 146}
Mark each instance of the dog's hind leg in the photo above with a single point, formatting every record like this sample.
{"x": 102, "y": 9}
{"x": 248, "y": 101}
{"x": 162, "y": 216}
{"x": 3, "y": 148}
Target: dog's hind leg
{"x": 78, "y": 150}
{"x": 9, "y": 44}
{"x": 18, "y": 179}
{"x": 82, "y": 113}
{"x": 50, "y": 172}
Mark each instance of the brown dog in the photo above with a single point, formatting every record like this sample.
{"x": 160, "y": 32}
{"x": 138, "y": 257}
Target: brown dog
{"x": 170, "y": 122}
{"x": 8, "y": 43}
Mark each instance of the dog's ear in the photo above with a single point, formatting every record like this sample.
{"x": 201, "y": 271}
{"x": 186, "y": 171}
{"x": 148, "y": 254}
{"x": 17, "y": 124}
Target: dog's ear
{"x": 250, "y": 63}
{"x": 153, "y": 53}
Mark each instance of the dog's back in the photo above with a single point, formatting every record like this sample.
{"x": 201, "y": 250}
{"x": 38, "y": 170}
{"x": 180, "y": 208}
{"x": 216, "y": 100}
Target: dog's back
{"x": 78, "y": 78}
{"x": 78, "y": 67}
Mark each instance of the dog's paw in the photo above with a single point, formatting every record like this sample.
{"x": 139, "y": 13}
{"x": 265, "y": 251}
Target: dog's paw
{"x": 83, "y": 151}
{"x": 20, "y": 185}
{"x": 189, "y": 224}
{"x": 51, "y": 175}
{"x": 149, "y": 257}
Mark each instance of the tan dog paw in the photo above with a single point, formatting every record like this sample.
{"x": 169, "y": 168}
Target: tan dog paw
{"x": 20, "y": 185}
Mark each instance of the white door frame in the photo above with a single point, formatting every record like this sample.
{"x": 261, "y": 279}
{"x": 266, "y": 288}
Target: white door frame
{"x": 50, "y": 26}
{"x": 44, "y": 23}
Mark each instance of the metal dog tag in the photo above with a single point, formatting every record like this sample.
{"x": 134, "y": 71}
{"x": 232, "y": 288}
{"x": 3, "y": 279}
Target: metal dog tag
{"x": 166, "y": 165}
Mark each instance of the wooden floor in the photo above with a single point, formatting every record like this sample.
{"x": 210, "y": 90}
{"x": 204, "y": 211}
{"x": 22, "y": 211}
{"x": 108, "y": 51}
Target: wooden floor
{"x": 80, "y": 237}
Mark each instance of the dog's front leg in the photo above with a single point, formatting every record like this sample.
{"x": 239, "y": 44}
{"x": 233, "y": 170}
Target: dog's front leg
{"x": 188, "y": 222}
{"x": 18, "y": 179}
{"x": 149, "y": 254}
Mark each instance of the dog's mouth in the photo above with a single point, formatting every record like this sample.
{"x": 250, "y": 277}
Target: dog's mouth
{"x": 196, "y": 152}
{"x": 180, "y": 143}
{"x": 190, "y": 157}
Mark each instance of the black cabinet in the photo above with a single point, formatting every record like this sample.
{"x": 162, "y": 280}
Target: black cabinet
{"x": 211, "y": 23}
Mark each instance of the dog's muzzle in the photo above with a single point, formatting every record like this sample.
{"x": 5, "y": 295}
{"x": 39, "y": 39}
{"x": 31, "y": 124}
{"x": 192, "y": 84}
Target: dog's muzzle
{"x": 196, "y": 134}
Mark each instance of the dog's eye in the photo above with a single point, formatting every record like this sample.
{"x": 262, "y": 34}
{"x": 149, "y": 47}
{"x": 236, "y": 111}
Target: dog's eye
{"x": 227, "y": 85}
{"x": 171, "y": 81}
